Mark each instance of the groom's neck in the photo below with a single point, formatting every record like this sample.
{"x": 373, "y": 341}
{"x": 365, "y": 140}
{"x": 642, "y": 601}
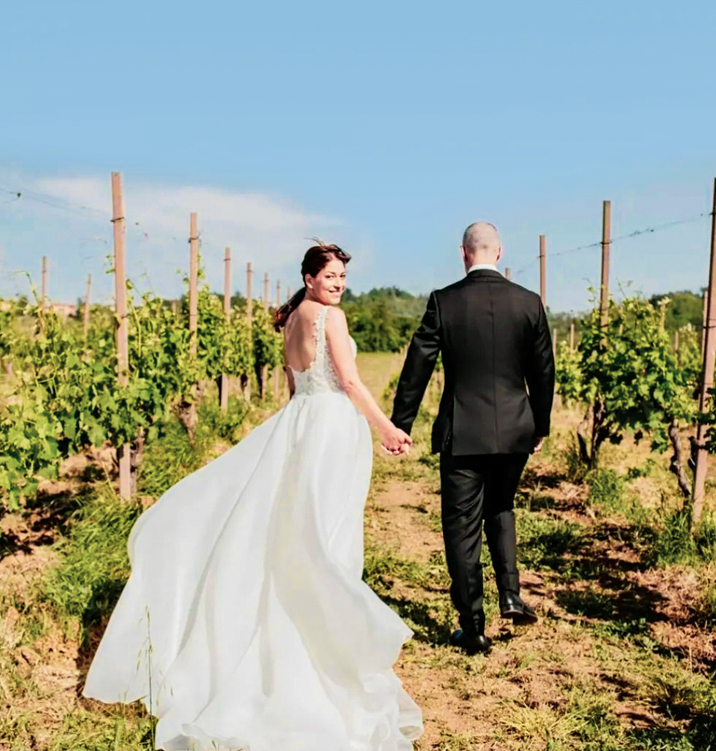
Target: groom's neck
{"x": 481, "y": 262}
{"x": 478, "y": 266}
{"x": 484, "y": 260}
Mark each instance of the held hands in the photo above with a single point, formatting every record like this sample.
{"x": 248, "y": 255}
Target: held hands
{"x": 396, "y": 441}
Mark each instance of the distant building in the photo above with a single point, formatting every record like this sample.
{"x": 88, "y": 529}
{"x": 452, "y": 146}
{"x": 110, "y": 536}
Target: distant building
{"x": 64, "y": 309}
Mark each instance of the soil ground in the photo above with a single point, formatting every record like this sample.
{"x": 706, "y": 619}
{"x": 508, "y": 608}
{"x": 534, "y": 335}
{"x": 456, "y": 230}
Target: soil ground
{"x": 620, "y": 659}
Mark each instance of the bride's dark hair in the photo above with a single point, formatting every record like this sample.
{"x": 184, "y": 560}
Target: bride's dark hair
{"x": 317, "y": 258}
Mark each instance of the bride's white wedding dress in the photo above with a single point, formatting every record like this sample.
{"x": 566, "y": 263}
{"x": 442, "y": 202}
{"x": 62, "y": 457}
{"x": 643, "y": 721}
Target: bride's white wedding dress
{"x": 245, "y": 623}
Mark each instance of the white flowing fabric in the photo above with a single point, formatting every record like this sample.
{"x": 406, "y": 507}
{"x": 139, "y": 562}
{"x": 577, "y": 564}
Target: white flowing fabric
{"x": 245, "y": 623}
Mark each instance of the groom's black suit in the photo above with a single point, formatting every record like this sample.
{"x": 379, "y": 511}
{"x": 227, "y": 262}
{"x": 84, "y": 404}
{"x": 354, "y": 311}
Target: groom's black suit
{"x": 499, "y": 385}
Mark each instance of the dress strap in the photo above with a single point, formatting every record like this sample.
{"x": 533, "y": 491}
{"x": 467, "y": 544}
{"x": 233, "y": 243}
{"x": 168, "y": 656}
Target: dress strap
{"x": 320, "y": 324}
{"x": 320, "y": 334}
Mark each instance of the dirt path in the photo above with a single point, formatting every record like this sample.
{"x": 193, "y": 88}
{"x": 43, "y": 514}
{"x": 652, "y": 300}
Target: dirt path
{"x": 617, "y": 648}
{"x": 621, "y": 660}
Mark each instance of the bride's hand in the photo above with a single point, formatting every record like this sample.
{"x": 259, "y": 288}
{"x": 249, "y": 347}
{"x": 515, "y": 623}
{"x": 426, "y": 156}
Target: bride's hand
{"x": 396, "y": 441}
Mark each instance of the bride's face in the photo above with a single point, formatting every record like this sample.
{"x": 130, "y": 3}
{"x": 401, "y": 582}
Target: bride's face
{"x": 329, "y": 284}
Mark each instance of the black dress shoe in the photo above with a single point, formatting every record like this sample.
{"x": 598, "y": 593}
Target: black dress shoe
{"x": 472, "y": 644}
{"x": 514, "y": 607}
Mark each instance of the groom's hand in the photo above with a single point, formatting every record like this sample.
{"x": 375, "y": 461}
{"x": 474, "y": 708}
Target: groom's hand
{"x": 404, "y": 446}
{"x": 396, "y": 441}
{"x": 537, "y": 444}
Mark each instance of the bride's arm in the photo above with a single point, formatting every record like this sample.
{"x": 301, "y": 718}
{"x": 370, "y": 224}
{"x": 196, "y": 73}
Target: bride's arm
{"x": 339, "y": 345}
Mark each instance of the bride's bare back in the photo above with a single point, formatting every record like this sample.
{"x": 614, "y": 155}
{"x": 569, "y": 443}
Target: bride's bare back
{"x": 324, "y": 272}
{"x": 300, "y": 336}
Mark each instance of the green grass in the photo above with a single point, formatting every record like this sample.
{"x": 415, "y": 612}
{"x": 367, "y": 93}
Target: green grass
{"x": 116, "y": 729}
{"x": 670, "y": 540}
{"x": 580, "y": 720}
{"x": 173, "y": 456}
{"x": 705, "y": 606}
{"x": 382, "y": 567}
{"x": 676, "y": 695}
{"x": 94, "y": 565}
{"x": 568, "y": 684}
{"x": 545, "y": 542}
{"x": 606, "y": 489}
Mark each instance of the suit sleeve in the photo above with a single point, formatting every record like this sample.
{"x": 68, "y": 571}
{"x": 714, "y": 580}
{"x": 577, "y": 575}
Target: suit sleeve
{"x": 418, "y": 367}
{"x": 540, "y": 375}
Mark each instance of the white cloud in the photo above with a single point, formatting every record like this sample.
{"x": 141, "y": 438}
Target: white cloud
{"x": 254, "y": 224}
{"x": 67, "y": 218}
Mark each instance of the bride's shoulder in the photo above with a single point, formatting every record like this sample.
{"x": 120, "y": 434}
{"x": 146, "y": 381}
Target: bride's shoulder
{"x": 335, "y": 317}
{"x": 336, "y": 324}
{"x": 313, "y": 311}
{"x": 306, "y": 311}
{"x": 335, "y": 312}
{"x": 309, "y": 307}
{"x": 314, "y": 314}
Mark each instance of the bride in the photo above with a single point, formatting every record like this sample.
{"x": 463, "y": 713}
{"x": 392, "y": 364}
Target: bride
{"x": 245, "y": 624}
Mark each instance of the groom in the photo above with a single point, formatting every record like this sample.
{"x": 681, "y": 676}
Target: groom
{"x": 495, "y": 410}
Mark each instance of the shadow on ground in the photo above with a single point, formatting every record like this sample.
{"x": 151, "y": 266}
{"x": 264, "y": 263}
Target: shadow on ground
{"x": 41, "y": 522}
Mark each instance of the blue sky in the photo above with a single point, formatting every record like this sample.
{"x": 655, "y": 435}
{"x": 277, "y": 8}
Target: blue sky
{"x": 384, "y": 126}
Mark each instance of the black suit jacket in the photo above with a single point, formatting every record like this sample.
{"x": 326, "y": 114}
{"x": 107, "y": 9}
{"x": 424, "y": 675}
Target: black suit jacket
{"x": 499, "y": 368}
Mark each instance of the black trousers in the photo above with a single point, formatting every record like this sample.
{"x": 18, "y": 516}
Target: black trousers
{"x": 476, "y": 489}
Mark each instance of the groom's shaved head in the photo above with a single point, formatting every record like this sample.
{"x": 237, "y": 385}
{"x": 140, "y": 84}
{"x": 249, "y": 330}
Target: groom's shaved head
{"x": 481, "y": 244}
{"x": 481, "y": 238}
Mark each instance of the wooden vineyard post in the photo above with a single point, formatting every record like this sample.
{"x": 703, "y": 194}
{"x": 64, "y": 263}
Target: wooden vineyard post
{"x": 555, "y": 339}
{"x": 707, "y": 379}
{"x": 188, "y": 410}
{"x": 704, "y": 322}
{"x": 263, "y": 386}
{"x": 571, "y": 336}
{"x": 193, "y": 280}
{"x": 508, "y": 273}
{"x": 86, "y": 317}
{"x": 606, "y": 242}
{"x": 676, "y": 342}
{"x": 43, "y": 287}
{"x": 543, "y": 269}
{"x": 288, "y": 294}
{"x": 175, "y": 308}
{"x": 122, "y": 326}
{"x": 277, "y": 370}
{"x": 224, "y": 383}
{"x": 246, "y": 381}
{"x": 249, "y": 300}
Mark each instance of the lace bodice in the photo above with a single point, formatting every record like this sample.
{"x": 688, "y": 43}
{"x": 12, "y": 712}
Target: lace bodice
{"x": 320, "y": 376}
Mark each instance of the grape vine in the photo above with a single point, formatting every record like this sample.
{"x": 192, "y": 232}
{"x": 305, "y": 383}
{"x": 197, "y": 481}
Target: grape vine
{"x": 64, "y": 396}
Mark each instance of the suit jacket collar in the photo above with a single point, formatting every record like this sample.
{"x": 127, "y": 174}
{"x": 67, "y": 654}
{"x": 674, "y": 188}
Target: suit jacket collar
{"x": 485, "y": 274}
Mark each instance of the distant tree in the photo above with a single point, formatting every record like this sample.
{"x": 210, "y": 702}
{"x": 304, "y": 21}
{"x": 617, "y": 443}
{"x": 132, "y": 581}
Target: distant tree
{"x": 377, "y": 329}
{"x": 384, "y": 318}
{"x": 685, "y": 308}
{"x": 383, "y": 292}
{"x": 237, "y": 299}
